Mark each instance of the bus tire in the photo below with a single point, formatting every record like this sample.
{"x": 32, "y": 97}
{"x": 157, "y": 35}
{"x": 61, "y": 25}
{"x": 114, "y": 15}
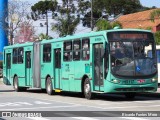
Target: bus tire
{"x": 49, "y": 88}
{"x": 16, "y": 87}
{"x": 130, "y": 95}
{"x": 87, "y": 90}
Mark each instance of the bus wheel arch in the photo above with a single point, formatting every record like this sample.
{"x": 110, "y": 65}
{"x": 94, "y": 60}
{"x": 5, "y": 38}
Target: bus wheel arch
{"x": 49, "y": 85}
{"x": 15, "y": 83}
{"x": 46, "y": 80}
{"x": 82, "y": 83}
{"x": 86, "y": 88}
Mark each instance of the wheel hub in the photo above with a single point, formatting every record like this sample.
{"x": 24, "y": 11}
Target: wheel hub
{"x": 87, "y": 88}
{"x": 49, "y": 87}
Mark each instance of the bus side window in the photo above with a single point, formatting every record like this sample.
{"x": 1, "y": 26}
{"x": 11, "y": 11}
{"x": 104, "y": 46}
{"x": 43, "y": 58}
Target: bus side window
{"x": 76, "y": 50}
{"x": 28, "y": 65}
{"x": 85, "y": 49}
{"x": 20, "y": 55}
{"x": 67, "y": 55}
{"x": 14, "y": 56}
{"x": 47, "y": 53}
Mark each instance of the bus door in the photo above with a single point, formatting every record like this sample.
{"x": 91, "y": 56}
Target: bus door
{"x": 36, "y": 64}
{"x": 8, "y": 68}
{"x": 28, "y": 67}
{"x": 98, "y": 66}
{"x": 57, "y": 67}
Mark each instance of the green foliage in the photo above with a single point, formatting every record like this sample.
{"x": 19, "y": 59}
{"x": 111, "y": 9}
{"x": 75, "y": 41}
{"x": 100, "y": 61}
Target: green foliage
{"x": 43, "y": 36}
{"x": 157, "y": 37}
{"x": 110, "y": 7}
{"x": 149, "y": 28}
{"x": 66, "y": 26}
{"x": 124, "y": 6}
{"x": 105, "y": 25}
{"x": 67, "y": 18}
{"x": 154, "y": 14}
{"x": 115, "y": 24}
{"x": 43, "y": 6}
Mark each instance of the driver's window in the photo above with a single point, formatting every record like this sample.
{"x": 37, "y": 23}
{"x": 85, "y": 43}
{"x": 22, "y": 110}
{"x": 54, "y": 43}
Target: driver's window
{"x": 117, "y": 50}
{"x": 139, "y": 49}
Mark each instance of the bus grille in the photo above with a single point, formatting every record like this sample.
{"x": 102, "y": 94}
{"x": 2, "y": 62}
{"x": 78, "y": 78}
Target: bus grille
{"x": 135, "y": 89}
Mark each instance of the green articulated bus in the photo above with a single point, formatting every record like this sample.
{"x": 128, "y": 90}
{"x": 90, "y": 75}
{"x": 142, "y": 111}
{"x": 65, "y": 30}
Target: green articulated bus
{"x": 111, "y": 61}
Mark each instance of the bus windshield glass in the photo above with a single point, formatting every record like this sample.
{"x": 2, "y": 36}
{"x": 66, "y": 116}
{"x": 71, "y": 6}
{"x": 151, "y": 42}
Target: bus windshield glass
{"x": 128, "y": 57}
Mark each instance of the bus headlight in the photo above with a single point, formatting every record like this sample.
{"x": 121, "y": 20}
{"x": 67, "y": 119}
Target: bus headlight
{"x": 116, "y": 81}
{"x": 154, "y": 79}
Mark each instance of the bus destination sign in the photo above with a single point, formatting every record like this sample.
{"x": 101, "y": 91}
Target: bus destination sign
{"x": 130, "y": 36}
{"x": 127, "y": 35}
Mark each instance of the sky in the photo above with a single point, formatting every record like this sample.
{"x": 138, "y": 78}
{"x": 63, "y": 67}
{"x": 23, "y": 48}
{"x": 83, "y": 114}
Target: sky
{"x": 147, "y": 3}
{"x": 80, "y": 29}
{"x": 150, "y": 3}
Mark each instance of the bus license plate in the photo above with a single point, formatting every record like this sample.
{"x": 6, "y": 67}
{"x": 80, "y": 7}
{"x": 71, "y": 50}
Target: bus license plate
{"x": 128, "y": 81}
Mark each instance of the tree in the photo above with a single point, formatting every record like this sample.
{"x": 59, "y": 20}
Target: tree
{"x": 107, "y": 8}
{"x": 85, "y": 11}
{"x": 157, "y": 37}
{"x": 155, "y": 14}
{"x": 41, "y": 8}
{"x": 17, "y": 13}
{"x": 105, "y": 25}
{"x": 26, "y": 33}
{"x": 67, "y": 18}
{"x": 43, "y": 36}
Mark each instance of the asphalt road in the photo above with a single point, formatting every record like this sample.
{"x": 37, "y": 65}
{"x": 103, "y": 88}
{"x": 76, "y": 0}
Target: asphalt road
{"x": 72, "y": 106}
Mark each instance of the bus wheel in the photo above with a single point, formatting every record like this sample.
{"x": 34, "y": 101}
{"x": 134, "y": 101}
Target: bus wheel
{"x": 16, "y": 87}
{"x": 87, "y": 89}
{"x": 49, "y": 88}
{"x": 130, "y": 95}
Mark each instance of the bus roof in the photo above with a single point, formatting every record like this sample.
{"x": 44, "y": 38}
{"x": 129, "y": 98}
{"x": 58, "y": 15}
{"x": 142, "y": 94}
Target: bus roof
{"x": 75, "y": 36}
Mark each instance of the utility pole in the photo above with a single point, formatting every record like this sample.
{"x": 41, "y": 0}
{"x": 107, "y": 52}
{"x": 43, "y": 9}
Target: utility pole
{"x": 46, "y": 14}
{"x": 91, "y": 15}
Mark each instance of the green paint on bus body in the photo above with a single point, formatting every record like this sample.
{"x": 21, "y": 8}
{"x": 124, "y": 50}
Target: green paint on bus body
{"x": 67, "y": 62}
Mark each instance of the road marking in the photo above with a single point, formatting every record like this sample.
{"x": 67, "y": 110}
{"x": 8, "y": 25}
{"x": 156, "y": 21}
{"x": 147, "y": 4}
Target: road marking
{"x": 23, "y": 103}
{"x": 38, "y": 108}
{"x": 75, "y": 116}
{"x": 38, "y": 118}
{"x": 54, "y": 101}
{"x": 133, "y": 118}
{"x": 84, "y": 118}
{"x": 40, "y": 102}
{"x": 75, "y": 104}
{"x": 115, "y": 103}
{"x": 14, "y": 104}
{"x": 132, "y": 107}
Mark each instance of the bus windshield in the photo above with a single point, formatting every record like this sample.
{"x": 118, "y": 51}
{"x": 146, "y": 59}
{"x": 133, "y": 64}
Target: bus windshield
{"x": 128, "y": 57}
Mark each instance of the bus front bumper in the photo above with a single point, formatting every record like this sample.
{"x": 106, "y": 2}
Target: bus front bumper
{"x": 115, "y": 88}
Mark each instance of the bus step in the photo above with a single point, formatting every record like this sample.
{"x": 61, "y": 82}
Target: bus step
{"x": 98, "y": 92}
{"x": 58, "y": 90}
